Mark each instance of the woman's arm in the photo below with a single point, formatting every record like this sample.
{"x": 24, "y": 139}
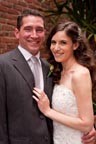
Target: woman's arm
{"x": 82, "y": 87}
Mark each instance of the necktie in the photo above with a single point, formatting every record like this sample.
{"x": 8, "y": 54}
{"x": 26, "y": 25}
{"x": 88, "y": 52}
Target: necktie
{"x": 36, "y": 71}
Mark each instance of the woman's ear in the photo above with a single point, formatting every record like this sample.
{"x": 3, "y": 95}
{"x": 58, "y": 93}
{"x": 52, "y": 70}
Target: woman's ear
{"x": 76, "y": 45}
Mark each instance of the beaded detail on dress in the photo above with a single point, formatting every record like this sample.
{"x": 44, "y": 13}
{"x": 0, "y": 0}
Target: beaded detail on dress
{"x": 64, "y": 100}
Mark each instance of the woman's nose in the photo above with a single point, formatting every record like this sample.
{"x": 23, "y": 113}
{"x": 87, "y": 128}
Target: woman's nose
{"x": 56, "y": 47}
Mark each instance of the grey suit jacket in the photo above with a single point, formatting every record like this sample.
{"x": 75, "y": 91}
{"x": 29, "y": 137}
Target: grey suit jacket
{"x": 21, "y": 122}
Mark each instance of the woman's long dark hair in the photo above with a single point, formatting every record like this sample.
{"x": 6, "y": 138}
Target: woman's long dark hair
{"x": 83, "y": 54}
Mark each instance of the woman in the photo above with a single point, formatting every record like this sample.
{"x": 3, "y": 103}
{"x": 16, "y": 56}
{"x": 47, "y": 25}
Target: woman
{"x": 72, "y": 110}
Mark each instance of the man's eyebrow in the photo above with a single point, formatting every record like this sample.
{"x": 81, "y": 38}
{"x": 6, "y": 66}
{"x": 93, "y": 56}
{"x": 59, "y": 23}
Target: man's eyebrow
{"x": 33, "y": 27}
{"x": 28, "y": 26}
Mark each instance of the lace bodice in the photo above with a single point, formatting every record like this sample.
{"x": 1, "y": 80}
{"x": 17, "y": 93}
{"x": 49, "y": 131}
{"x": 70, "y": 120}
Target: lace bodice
{"x": 63, "y": 100}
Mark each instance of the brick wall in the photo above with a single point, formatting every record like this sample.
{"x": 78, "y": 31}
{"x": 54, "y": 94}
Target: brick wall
{"x": 9, "y": 10}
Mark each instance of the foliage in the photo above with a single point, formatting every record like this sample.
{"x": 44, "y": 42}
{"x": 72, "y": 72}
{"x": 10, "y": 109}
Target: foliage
{"x": 83, "y": 12}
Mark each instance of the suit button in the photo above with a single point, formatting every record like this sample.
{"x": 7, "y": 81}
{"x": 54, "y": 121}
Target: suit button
{"x": 46, "y": 138}
{"x": 42, "y": 116}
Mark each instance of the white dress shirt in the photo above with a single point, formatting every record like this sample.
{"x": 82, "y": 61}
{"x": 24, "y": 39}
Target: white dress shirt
{"x": 27, "y": 55}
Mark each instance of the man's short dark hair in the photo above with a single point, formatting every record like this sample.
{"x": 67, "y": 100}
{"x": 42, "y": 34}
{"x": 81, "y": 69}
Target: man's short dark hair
{"x": 27, "y": 12}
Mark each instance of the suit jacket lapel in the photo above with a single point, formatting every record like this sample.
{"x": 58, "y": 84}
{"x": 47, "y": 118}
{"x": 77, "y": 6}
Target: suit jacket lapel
{"x": 48, "y": 84}
{"x": 21, "y": 65}
{"x": 45, "y": 73}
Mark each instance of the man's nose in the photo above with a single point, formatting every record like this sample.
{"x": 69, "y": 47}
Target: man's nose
{"x": 34, "y": 33}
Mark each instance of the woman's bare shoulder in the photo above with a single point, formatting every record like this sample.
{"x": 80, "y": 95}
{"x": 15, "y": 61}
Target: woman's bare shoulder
{"x": 80, "y": 73}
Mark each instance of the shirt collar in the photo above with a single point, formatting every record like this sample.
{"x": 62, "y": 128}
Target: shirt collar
{"x": 27, "y": 55}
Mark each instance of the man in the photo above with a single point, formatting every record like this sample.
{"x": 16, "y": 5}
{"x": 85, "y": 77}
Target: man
{"x": 20, "y": 120}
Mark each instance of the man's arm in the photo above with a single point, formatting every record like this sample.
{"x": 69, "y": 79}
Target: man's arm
{"x": 3, "y": 115}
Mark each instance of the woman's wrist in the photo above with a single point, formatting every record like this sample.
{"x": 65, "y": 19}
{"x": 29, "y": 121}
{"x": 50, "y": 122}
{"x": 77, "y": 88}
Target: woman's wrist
{"x": 48, "y": 113}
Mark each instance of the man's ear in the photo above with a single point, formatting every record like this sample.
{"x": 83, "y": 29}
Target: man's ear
{"x": 76, "y": 45}
{"x": 16, "y": 33}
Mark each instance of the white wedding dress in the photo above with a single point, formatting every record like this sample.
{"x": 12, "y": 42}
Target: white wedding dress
{"x": 64, "y": 101}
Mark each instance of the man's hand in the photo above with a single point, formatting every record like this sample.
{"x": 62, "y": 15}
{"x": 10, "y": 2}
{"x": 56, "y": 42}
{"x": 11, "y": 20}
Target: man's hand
{"x": 89, "y": 138}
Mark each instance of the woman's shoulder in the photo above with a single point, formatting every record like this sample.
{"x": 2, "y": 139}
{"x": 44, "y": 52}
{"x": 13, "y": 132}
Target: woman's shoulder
{"x": 81, "y": 78}
{"x": 80, "y": 73}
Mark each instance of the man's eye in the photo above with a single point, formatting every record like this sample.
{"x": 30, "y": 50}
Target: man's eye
{"x": 40, "y": 30}
{"x": 28, "y": 29}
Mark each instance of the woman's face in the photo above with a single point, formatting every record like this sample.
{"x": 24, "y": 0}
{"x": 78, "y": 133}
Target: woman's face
{"x": 62, "y": 47}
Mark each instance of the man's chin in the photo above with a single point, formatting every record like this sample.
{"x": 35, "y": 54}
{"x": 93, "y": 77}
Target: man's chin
{"x": 34, "y": 51}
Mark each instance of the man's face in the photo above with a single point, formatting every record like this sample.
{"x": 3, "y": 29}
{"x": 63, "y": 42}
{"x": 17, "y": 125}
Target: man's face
{"x": 31, "y": 34}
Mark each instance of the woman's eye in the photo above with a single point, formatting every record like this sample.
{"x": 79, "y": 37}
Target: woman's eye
{"x": 53, "y": 42}
{"x": 39, "y": 30}
{"x": 63, "y": 42}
